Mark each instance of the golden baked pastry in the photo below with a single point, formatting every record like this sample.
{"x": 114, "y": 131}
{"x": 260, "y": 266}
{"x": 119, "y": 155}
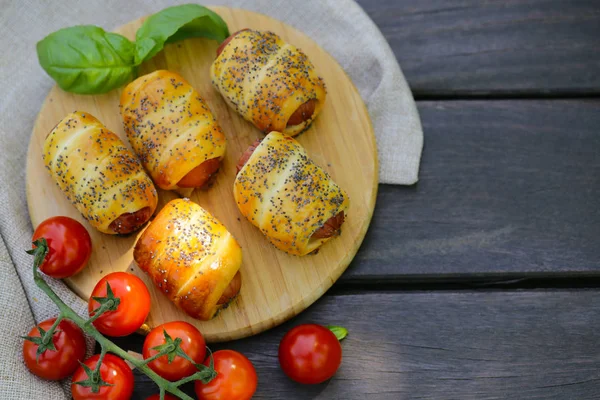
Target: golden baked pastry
{"x": 99, "y": 175}
{"x": 191, "y": 257}
{"x": 269, "y": 82}
{"x": 292, "y": 200}
{"x": 172, "y": 130}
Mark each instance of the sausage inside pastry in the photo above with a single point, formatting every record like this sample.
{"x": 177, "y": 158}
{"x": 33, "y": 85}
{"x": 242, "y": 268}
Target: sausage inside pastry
{"x": 99, "y": 175}
{"x": 191, "y": 257}
{"x": 172, "y": 130}
{"x": 281, "y": 191}
{"x": 269, "y": 82}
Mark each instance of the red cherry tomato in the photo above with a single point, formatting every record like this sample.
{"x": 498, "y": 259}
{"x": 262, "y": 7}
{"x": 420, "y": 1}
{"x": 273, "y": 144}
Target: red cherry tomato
{"x": 69, "y": 246}
{"x": 310, "y": 354}
{"x": 157, "y": 397}
{"x": 236, "y": 378}
{"x": 113, "y": 371}
{"x": 69, "y": 342}
{"x": 192, "y": 344}
{"x": 133, "y": 308}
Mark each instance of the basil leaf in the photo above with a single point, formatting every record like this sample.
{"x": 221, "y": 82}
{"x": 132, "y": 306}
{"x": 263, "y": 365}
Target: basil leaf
{"x": 339, "y": 331}
{"x": 177, "y": 23}
{"x": 87, "y": 60}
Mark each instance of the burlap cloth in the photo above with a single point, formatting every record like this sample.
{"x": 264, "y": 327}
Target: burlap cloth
{"x": 339, "y": 26}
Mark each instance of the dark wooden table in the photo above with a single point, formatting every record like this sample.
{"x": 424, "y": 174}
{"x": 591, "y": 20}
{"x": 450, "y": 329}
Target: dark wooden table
{"x": 481, "y": 281}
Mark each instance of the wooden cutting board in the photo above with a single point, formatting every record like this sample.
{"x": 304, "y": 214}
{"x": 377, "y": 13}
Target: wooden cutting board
{"x": 276, "y": 286}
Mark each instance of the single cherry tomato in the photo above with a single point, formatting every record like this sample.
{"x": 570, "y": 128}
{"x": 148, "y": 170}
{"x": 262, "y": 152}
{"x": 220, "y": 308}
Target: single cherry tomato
{"x": 236, "y": 378}
{"x": 192, "y": 344}
{"x": 134, "y": 304}
{"x": 69, "y": 246}
{"x": 310, "y": 354}
{"x": 113, "y": 371}
{"x": 56, "y": 364}
{"x": 157, "y": 397}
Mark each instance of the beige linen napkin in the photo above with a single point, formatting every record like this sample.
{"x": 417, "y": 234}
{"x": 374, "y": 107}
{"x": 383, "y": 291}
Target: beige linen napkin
{"x": 339, "y": 26}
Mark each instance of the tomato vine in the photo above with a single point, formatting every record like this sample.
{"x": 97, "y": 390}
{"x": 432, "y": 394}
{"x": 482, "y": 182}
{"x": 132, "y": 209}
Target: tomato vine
{"x": 172, "y": 347}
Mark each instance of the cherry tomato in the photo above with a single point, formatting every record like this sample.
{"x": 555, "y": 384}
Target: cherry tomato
{"x": 236, "y": 378}
{"x": 310, "y": 354}
{"x": 69, "y": 342}
{"x": 69, "y": 246}
{"x": 192, "y": 344}
{"x": 113, "y": 371}
{"x": 157, "y": 397}
{"x": 133, "y": 308}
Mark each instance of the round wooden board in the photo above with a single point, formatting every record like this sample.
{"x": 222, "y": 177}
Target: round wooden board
{"x": 276, "y": 286}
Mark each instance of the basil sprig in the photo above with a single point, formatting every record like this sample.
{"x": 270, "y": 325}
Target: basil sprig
{"x": 177, "y": 23}
{"x": 85, "y": 59}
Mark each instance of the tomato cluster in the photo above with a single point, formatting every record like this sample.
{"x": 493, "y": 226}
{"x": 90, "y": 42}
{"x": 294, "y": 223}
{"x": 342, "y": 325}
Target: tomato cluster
{"x": 119, "y": 305}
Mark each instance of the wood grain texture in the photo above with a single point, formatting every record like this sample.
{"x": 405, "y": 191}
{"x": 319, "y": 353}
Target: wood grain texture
{"x": 507, "y": 188}
{"x": 444, "y": 345}
{"x": 472, "y": 47}
{"x": 276, "y": 286}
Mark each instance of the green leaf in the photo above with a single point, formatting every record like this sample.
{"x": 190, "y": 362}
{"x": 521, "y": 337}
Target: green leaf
{"x": 177, "y": 23}
{"x": 339, "y": 331}
{"x": 85, "y": 59}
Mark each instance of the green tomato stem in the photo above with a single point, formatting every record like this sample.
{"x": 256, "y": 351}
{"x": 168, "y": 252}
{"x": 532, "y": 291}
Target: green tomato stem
{"x": 100, "y": 359}
{"x": 50, "y": 332}
{"x": 97, "y": 313}
{"x": 154, "y": 357}
{"x": 187, "y": 379}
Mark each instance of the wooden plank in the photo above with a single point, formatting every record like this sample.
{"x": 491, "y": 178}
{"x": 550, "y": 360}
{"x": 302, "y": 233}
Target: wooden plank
{"x": 472, "y": 47}
{"x": 443, "y": 345}
{"x": 506, "y": 188}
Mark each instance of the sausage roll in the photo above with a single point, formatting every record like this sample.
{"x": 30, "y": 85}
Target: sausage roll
{"x": 191, "y": 257}
{"x": 281, "y": 191}
{"x": 99, "y": 175}
{"x": 172, "y": 130}
{"x": 269, "y": 82}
